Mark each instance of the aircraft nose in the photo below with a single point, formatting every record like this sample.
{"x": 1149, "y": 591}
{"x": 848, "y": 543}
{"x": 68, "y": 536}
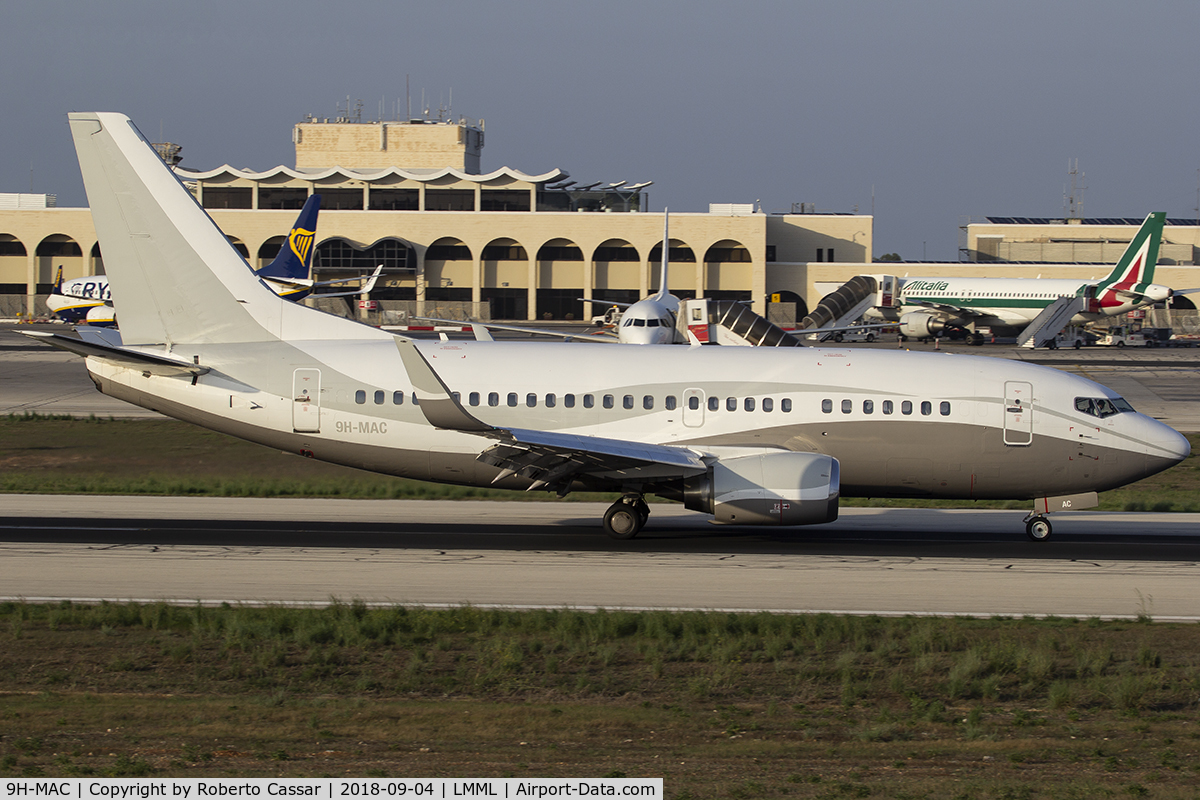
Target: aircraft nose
{"x": 1165, "y": 446}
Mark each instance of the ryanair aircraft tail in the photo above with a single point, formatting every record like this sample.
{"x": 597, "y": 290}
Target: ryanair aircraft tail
{"x": 1135, "y": 271}
{"x": 295, "y": 257}
{"x": 175, "y": 278}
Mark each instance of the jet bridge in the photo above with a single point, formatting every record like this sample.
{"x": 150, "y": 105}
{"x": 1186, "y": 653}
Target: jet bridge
{"x": 846, "y": 304}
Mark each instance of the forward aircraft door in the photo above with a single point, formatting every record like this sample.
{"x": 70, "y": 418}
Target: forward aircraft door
{"x": 693, "y": 407}
{"x": 1018, "y": 413}
{"x": 306, "y": 401}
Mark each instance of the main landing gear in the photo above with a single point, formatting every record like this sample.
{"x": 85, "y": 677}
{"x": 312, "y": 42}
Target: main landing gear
{"x": 626, "y": 517}
{"x": 1038, "y": 528}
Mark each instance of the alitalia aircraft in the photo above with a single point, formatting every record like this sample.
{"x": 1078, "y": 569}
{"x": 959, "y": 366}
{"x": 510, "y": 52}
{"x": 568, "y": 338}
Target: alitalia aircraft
{"x": 929, "y": 306}
{"x": 750, "y": 435}
{"x": 89, "y": 299}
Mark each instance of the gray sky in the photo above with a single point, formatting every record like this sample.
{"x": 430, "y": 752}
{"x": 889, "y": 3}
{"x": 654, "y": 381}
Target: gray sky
{"x": 940, "y": 109}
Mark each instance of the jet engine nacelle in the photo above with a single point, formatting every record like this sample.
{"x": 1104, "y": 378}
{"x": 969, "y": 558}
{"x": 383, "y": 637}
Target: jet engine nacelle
{"x": 777, "y": 488}
{"x": 920, "y": 325}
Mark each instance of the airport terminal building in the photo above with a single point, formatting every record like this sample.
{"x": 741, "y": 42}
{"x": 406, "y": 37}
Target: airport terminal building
{"x": 506, "y": 244}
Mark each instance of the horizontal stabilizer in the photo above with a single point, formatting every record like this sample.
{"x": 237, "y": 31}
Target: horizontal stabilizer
{"x": 147, "y": 362}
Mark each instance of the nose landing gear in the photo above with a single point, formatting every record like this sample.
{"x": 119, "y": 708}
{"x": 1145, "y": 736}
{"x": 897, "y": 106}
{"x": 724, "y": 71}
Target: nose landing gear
{"x": 1038, "y": 528}
{"x": 626, "y": 517}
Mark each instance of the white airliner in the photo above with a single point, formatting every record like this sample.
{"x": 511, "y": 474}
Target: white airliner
{"x": 929, "y": 306}
{"x": 751, "y": 435}
{"x": 89, "y": 299}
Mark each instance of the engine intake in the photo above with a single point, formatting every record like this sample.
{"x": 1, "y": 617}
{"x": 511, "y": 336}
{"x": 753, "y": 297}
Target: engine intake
{"x": 778, "y": 488}
{"x": 919, "y": 325}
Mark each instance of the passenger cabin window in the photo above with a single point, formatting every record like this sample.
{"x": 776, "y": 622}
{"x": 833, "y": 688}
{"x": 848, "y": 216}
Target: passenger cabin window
{"x": 926, "y": 408}
{"x": 906, "y": 407}
{"x": 493, "y": 399}
{"x": 568, "y": 401}
{"x": 531, "y": 400}
{"x": 714, "y": 404}
{"x": 731, "y": 404}
{"x": 551, "y": 401}
{"x": 608, "y": 401}
{"x": 512, "y": 399}
{"x": 694, "y": 402}
{"x": 627, "y": 401}
{"x": 380, "y": 395}
{"x": 768, "y": 404}
{"x": 868, "y": 406}
{"x": 647, "y": 402}
{"x": 748, "y": 404}
{"x": 888, "y": 407}
{"x": 827, "y": 406}
{"x": 785, "y": 405}
{"x": 360, "y": 396}
{"x": 473, "y": 398}
{"x": 588, "y": 401}
{"x": 397, "y": 398}
{"x": 669, "y": 402}
{"x": 945, "y": 408}
{"x": 847, "y": 406}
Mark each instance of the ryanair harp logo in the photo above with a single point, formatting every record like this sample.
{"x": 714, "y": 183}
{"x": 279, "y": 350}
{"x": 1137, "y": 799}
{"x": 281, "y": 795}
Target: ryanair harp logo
{"x": 300, "y": 241}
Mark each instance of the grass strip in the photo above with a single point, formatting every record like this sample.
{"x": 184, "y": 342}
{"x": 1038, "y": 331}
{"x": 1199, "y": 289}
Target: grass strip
{"x": 66, "y": 455}
{"x": 720, "y": 705}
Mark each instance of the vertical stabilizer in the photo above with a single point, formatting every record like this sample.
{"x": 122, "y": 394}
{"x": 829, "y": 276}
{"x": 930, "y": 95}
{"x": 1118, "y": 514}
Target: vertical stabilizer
{"x": 1135, "y": 270}
{"x": 295, "y": 256}
{"x": 663, "y": 291}
{"x": 175, "y": 277}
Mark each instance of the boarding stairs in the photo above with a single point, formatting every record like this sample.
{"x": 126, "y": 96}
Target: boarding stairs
{"x": 730, "y": 322}
{"x": 845, "y": 305}
{"x": 1048, "y": 324}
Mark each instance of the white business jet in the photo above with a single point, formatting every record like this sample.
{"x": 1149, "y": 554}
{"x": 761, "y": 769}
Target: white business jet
{"x": 750, "y": 435}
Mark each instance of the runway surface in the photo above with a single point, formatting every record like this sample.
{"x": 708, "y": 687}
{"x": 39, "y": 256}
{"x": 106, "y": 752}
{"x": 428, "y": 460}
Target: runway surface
{"x": 885, "y": 561}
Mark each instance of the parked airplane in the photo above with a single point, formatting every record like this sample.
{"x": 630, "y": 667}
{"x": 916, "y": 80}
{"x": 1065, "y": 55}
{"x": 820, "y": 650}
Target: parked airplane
{"x": 753, "y": 436}
{"x": 89, "y": 299}
{"x": 81, "y": 299}
{"x": 927, "y": 307}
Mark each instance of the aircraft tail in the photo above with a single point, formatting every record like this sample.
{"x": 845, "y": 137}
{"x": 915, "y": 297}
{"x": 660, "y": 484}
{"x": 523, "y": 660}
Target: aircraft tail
{"x": 295, "y": 256}
{"x": 174, "y": 276}
{"x": 1135, "y": 270}
{"x": 663, "y": 291}
{"x": 58, "y": 281}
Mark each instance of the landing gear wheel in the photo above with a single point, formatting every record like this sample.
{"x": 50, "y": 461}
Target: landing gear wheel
{"x": 1038, "y": 529}
{"x": 975, "y": 339}
{"x": 623, "y": 521}
{"x": 643, "y": 511}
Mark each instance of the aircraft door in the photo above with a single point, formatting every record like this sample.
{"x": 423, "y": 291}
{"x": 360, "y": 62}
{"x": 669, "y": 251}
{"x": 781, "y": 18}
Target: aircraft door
{"x": 693, "y": 407}
{"x": 1018, "y": 413}
{"x": 306, "y": 401}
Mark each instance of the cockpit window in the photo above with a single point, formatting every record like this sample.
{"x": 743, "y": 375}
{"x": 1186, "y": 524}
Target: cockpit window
{"x": 652, "y": 323}
{"x": 1102, "y": 406}
{"x": 639, "y": 323}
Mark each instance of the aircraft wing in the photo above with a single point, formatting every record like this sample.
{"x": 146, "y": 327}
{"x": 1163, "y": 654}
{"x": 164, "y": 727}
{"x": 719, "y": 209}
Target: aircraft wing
{"x": 547, "y": 458}
{"x": 570, "y": 337}
{"x": 366, "y": 287}
{"x": 958, "y": 311}
{"x": 147, "y": 362}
